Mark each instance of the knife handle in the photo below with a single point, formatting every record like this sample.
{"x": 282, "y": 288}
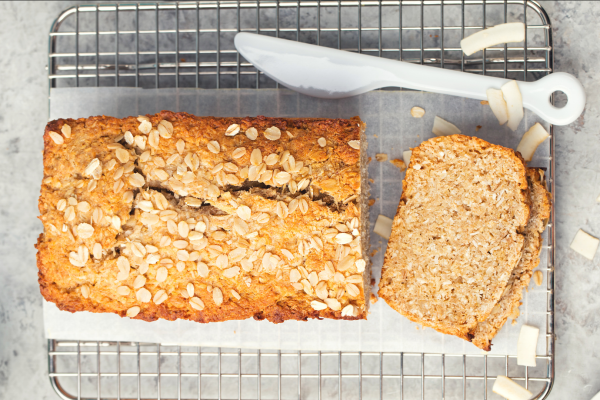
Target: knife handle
{"x": 536, "y": 95}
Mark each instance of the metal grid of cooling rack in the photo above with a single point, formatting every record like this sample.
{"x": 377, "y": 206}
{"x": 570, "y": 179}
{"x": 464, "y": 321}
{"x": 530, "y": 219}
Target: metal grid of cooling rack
{"x": 190, "y": 44}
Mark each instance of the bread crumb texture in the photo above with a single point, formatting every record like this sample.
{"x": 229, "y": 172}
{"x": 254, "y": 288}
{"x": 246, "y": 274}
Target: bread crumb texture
{"x": 207, "y": 219}
{"x": 457, "y": 234}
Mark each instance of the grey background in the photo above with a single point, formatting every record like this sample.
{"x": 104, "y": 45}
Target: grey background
{"x": 23, "y": 111}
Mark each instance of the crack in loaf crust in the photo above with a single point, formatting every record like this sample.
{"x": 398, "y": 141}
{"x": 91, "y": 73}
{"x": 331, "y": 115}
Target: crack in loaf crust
{"x": 508, "y": 305}
{"x": 176, "y": 216}
{"x": 456, "y": 234}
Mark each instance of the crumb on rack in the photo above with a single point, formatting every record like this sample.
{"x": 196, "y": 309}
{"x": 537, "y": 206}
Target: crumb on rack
{"x": 399, "y": 163}
{"x": 373, "y": 298}
{"x": 484, "y": 102}
{"x": 417, "y": 112}
{"x": 538, "y": 278}
{"x": 381, "y": 157}
{"x": 371, "y": 202}
{"x": 478, "y": 127}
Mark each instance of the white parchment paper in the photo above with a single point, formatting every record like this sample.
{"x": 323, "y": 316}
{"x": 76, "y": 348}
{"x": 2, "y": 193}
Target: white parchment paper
{"x": 390, "y": 130}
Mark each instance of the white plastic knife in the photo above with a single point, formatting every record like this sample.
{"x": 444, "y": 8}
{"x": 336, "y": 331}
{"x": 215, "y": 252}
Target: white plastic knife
{"x": 330, "y": 73}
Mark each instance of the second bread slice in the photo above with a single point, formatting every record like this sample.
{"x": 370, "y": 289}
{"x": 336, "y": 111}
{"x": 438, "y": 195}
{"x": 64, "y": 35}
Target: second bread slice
{"x": 456, "y": 234}
{"x": 508, "y": 305}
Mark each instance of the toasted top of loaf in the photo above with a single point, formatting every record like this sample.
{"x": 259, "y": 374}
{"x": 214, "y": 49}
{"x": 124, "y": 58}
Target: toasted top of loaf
{"x": 521, "y": 275}
{"x": 208, "y": 219}
{"x": 455, "y": 237}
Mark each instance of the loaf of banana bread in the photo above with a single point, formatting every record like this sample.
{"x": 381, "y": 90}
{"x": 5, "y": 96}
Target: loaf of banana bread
{"x": 207, "y": 219}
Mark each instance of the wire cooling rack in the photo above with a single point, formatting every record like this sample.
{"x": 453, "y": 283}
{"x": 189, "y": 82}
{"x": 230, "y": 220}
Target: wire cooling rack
{"x": 190, "y": 44}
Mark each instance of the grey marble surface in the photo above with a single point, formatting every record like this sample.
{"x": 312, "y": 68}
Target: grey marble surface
{"x": 23, "y": 111}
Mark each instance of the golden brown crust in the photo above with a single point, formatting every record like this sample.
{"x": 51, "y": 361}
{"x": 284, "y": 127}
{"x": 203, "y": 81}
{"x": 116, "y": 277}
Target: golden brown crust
{"x": 511, "y": 298}
{"x": 332, "y": 169}
{"x": 290, "y": 228}
{"x": 456, "y": 235}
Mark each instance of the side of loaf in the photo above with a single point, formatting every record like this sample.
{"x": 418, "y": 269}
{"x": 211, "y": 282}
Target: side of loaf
{"x": 457, "y": 234}
{"x": 207, "y": 219}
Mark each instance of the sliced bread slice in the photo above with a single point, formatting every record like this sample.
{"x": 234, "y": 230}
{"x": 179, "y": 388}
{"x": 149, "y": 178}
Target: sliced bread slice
{"x": 456, "y": 234}
{"x": 508, "y": 306}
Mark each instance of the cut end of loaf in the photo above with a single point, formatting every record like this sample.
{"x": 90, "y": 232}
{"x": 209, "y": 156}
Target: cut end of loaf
{"x": 364, "y": 214}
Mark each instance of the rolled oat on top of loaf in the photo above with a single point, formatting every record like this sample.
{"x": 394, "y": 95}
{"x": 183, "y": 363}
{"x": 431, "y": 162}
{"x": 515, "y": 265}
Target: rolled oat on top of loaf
{"x": 208, "y": 219}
